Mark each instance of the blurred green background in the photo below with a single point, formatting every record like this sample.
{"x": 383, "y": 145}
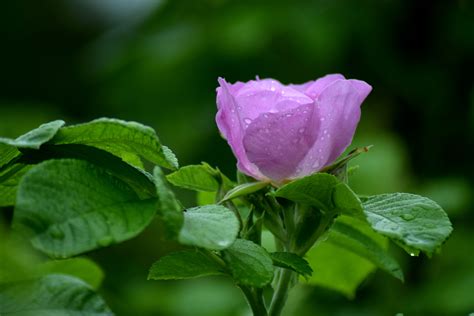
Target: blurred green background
{"x": 157, "y": 61}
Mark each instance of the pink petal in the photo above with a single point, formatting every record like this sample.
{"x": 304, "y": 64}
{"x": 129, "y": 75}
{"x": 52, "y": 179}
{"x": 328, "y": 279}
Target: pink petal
{"x": 314, "y": 88}
{"x": 266, "y": 96}
{"x": 277, "y": 142}
{"x": 229, "y": 125}
{"x": 338, "y": 110}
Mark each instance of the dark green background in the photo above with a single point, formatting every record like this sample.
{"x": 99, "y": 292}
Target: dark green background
{"x": 157, "y": 62}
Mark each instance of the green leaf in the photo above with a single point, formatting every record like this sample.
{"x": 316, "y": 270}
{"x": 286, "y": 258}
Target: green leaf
{"x": 315, "y": 190}
{"x": 414, "y": 221}
{"x": 68, "y": 207}
{"x": 205, "y": 198}
{"x": 169, "y": 208}
{"x": 9, "y": 180}
{"x": 323, "y": 191}
{"x": 244, "y": 189}
{"x": 357, "y": 237}
{"x": 249, "y": 263}
{"x": 120, "y": 138}
{"x": 18, "y": 260}
{"x": 184, "y": 265}
{"x": 347, "y": 202}
{"x": 35, "y": 138}
{"x": 54, "y": 294}
{"x": 194, "y": 177}
{"x": 293, "y": 262}
{"x": 7, "y": 154}
{"x": 213, "y": 227}
{"x": 82, "y": 268}
{"x": 337, "y": 268}
{"x": 140, "y": 180}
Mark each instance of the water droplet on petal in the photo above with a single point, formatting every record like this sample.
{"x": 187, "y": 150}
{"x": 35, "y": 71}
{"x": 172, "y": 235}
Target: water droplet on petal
{"x": 412, "y": 254}
{"x": 289, "y": 115}
{"x": 247, "y": 121}
{"x": 301, "y": 130}
{"x": 315, "y": 164}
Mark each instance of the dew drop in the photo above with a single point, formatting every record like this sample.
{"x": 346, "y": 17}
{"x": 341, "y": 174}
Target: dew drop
{"x": 408, "y": 217}
{"x": 412, "y": 254}
{"x": 222, "y": 243}
{"x": 288, "y": 115}
{"x": 247, "y": 120}
{"x": 301, "y": 130}
{"x": 315, "y": 164}
{"x": 322, "y": 119}
{"x": 56, "y": 232}
{"x": 320, "y": 150}
{"x": 105, "y": 241}
{"x": 325, "y": 131}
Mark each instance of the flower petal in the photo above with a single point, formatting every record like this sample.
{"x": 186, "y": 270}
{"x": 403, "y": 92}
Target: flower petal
{"x": 277, "y": 142}
{"x": 362, "y": 87}
{"x": 229, "y": 125}
{"x": 266, "y": 96}
{"x": 338, "y": 110}
{"x": 314, "y": 88}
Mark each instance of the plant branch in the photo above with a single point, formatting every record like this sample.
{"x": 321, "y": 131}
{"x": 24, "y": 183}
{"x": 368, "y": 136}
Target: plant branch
{"x": 255, "y": 301}
{"x": 281, "y": 292}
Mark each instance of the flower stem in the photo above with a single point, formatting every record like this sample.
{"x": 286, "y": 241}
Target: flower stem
{"x": 281, "y": 292}
{"x": 255, "y": 301}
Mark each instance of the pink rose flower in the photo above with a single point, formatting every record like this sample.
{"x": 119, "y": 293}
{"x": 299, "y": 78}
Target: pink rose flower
{"x": 281, "y": 132}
